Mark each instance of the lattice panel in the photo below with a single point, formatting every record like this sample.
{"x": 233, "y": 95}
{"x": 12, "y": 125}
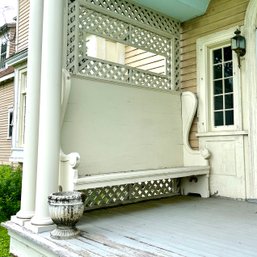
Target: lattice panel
{"x": 71, "y": 37}
{"x": 176, "y": 71}
{"x": 103, "y": 25}
{"x": 139, "y": 14}
{"x": 97, "y": 68}
{"x": 106, "y": 70}
{"x": 116, "y": 195}
{"x": 83, "y": 21}
{"x": 140, "y": 78}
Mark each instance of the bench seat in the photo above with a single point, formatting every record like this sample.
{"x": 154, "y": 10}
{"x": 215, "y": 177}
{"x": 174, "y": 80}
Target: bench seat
{"x": 188, "y": 185}
{"x": 120, "y": 178}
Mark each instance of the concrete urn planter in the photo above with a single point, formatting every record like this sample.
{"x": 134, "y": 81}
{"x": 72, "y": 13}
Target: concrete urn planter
{"x": 65, "y": 208}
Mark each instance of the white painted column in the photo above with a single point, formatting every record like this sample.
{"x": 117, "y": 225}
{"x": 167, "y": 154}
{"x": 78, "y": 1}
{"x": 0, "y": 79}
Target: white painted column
{"x": 250, "y": 85}
{"x": 50, "y": 109}
{"x": 32, "y": 111}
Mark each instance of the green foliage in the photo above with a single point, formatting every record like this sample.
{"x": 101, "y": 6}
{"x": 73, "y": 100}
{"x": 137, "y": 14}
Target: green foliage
{"x": 10, "y": 194}
{"x": 4, "y": 243}
{"x": 10, "y": 191}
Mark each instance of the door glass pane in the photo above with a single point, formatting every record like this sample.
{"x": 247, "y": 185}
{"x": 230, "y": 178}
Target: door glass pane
{"x": 217, "y": 70}
{"x": 222, "y": 83}
{"x": 218, "y": 102}
{"x": 228, "y": 85}
{"x": 228, "y": 69}
{"x": 218, "y": 119}
{"x": 227, "y": 53}
{"x": 229, "y": 117}
{"x": 218, "y": 87}
{"x": 229, "y": 101}
{"x": 217, "y": 56}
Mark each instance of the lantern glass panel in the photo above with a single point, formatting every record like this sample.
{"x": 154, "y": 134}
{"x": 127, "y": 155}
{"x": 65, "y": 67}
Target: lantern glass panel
{"x": 234, "y": 43}
{"x": 242, "y": 43}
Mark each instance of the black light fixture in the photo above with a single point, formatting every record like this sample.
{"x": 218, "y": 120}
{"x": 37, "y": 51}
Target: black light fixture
{"x": 238, "y": 44}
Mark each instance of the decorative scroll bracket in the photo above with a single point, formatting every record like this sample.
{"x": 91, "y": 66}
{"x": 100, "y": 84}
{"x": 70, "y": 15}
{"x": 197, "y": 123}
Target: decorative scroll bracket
{"x": 191, "y": 157}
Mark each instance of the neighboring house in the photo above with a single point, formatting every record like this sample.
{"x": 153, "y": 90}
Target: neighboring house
{"x": 7, "y": 49}
{"x": 19, "y": 62}
{"x": 120, "y": 108}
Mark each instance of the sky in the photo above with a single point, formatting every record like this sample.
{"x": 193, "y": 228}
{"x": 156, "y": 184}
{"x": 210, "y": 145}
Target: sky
{"x": 8, "y": 10}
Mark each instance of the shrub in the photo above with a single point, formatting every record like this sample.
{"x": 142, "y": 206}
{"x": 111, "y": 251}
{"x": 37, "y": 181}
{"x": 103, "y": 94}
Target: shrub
{"x": 4, "y": 243}
{"x": 10, "y": 191}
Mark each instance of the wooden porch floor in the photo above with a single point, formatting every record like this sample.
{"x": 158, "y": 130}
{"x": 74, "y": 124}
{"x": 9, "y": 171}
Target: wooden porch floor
{"x": 177, "y": 226}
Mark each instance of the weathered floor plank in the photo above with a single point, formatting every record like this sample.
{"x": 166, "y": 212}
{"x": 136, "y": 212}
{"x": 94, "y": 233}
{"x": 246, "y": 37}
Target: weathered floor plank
{"x": 173, "y": 227}
{"x": 179, "y": 226}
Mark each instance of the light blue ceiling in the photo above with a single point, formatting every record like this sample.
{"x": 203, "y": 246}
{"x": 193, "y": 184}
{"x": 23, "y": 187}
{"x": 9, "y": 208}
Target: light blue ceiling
{"x": 181, "y": 10}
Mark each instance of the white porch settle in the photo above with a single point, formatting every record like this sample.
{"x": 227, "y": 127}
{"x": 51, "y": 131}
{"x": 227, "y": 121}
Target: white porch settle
{"x": 123, "y": 133}
{"x": 126, "y": 123}
{"x": 131, "y": 157}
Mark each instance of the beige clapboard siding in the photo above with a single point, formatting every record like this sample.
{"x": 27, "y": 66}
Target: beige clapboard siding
{"x": 142, "y": 59}
{"x": 221, "y": 15}
{"x": 23, "y": 25}
{"x": 192, "y": 136}
{"x": 6, "y": 102}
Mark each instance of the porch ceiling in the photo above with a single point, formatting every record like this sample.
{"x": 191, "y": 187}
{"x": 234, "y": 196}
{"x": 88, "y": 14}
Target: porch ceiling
{"x": 181, "y": 10}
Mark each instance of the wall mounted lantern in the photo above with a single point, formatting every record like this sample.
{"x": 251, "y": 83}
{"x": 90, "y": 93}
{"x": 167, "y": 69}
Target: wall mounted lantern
{"x": 238, "y": 44}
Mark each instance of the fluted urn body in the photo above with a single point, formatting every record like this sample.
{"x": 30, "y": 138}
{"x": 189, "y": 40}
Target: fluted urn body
{"x": 65, "y": 208}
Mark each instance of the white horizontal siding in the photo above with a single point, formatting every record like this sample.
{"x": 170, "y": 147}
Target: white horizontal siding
{"x": 6, "y": 101}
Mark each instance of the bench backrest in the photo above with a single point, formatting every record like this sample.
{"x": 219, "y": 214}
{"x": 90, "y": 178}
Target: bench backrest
{"x": 121, "y": 128}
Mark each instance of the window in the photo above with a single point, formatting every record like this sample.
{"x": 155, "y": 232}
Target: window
{"x": 219, "y": 84}
{"x": 3, "y": 54}
{"x": 10, "y": 123}
{"x": 222, "y": 87}
{"x": 22, "y": 107}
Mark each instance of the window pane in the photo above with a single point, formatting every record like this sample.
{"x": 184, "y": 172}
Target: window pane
{"x": 229, "y": 101}
{"x": 3, "y": 48}
{"x": 218, "y": 87}
{"x": 3, "y": 55}
{"x": 228, "y": 85}
{"x": 228, "y": 71}
{"x": 217, "y": 70}
{"x": 229, "y": 117}
{"x": 217, "y": 56}
{"x": 227, "y": 53}
{"x": 218, "y": 102}
{"x": 10, "y": 125}
{"x": 218, "y": 119}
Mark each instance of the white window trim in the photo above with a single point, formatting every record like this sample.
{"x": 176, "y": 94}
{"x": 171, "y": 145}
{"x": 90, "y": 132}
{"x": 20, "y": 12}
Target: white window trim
{"x": 17, "y": 148}
{"x": 21, "y": 110}
{"x": 16, "y": 141}
{"x": 10, "y": 124}
{"x": 205, "y": 119}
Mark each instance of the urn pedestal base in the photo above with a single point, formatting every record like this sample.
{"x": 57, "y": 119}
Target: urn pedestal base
{"x": 62, "y": 232}
{"x": 65, "y": 208}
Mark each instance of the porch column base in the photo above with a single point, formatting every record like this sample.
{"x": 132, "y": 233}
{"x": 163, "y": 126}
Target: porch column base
{"x": 19, "y": 221}
{"x": 39, "y": 228}
{"x": 41, "y": 221}
{"x": 25, "y": 214}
